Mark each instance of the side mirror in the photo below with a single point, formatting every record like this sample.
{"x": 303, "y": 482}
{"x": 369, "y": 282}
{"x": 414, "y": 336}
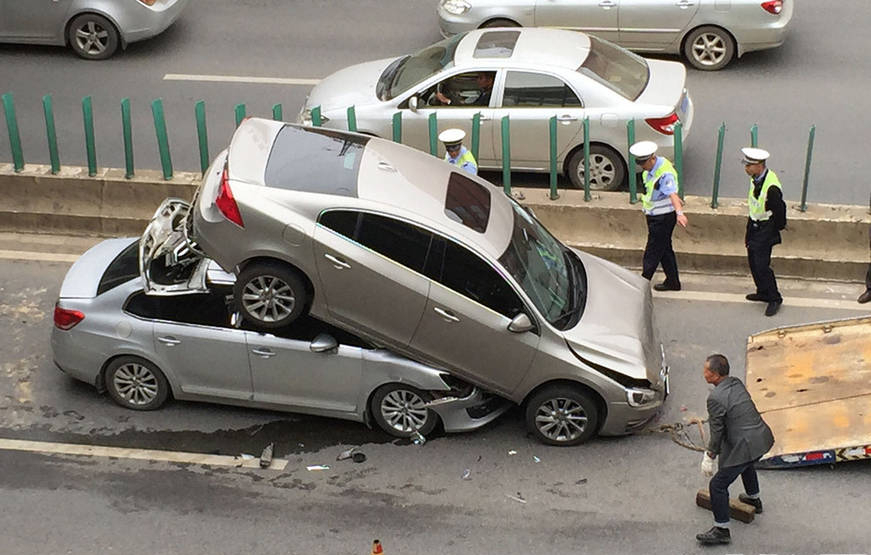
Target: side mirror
{"x": 324, "y": 343}
{"x": 412, "y": 104}
{"x": 520, "y": 323}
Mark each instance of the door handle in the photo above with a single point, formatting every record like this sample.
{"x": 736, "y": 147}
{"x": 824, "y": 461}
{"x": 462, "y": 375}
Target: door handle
{"x": 685, "y": 4}
{"x": 483, "y": 118}
{"x": 446, "y": 314}
{"x": 566, "y": 118}
{"x": 607, "y": 4}
{"x": 168, "y": 340}
{"x": 338, "y": 263}
{"x": 262, "y": 352}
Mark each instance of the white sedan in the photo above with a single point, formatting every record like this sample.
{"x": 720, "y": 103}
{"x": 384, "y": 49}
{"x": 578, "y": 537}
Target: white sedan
{"x": 530, "y": 75}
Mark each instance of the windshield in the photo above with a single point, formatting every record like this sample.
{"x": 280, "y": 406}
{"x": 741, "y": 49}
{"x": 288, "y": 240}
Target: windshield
{"x": 413, "y": 69}
{"x": 618, "y": 69}
{"x": 538, "y": 263}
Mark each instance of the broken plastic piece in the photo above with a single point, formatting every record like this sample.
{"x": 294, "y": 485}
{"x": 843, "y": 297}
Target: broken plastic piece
{"x": 266, "y": 456}
{"x": 536, "y": 459}
{"x": 246, "y": 456}
{"x": 346, "y": 454}
{"x": 512, "y": 452}
{"x": 467, "y": 474}
{"x": 317, "y": 467}
{"x": 518, "y": 499}
{"x": 417, "y": 438}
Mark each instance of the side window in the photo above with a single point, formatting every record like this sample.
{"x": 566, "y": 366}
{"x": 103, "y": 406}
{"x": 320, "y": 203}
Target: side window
{"x": 466, "y": 273}
{"x": 401, "y": 242}
{"x": 463, "y": 90}
{"x": 535, "y": 90}
{"x": 343, "y": 222}
{"x": 208, "y": 309}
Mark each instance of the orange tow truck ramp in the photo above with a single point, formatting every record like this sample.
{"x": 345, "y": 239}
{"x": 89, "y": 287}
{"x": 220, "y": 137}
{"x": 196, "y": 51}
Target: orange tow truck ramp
{"x": 812, "y": 385}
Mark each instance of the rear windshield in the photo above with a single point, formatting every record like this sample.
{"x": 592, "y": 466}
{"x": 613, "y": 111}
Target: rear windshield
{"x": 124, "y": 268}
{"x": 315, "y": 161}
{"x": 467, "y": 202}
{"x": 618, "y": 69}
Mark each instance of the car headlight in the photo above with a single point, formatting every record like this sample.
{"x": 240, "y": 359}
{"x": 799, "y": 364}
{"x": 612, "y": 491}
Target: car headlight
{"x": 638, "y": 397}
{"x": 456, "y": 7}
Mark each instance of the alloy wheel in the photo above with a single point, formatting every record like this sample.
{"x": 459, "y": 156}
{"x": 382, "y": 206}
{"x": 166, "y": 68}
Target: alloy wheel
{"x": 404, "y": 410}
{"x": 92, "y": 38}
{"x": 268, "y": 298}
{"x": 561, "y": 419}
{"x": 709, "y": 49}
{"x": 603, "y": 172}
{"x": 136, "y": 384}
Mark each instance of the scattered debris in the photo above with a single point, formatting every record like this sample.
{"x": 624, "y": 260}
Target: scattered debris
{"x": 478, "y": 459}
{"x": 417, "y": 438}
{"x": 581, "y": 481}
{"x": 301, "y": 444}
{"x": 246, "y": 456}
{"x": 317, "y": 467}
{"x": 358, "y": 457}
{"x": 266, "y": 456}
{"x": 467, "y": 474}
{"x": 519, "y": 498}
{"x": 536, "y": 459}
{"x": 683, "y": 408}
{"x": 512, "y": 452}
{"x": 346, "y": 454}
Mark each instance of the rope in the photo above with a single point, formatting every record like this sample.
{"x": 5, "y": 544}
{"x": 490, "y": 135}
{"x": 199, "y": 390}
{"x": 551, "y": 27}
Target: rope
{"x": 680, "y": 435}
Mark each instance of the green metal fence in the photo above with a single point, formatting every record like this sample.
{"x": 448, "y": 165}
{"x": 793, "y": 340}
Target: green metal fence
{"x": 240, "y": 113}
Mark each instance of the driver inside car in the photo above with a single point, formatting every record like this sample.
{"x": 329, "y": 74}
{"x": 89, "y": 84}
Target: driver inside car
{"x": 462, "y": 91}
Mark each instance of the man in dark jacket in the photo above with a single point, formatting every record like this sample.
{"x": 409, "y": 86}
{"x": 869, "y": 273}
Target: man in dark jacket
{"x": 739, "y": 437}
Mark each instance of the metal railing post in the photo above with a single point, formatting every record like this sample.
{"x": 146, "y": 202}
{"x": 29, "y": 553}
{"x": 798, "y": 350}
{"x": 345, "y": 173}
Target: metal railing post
{"x": 14, "y": 137}
{"x": 316, "y": 116}
{"x": 754, "y": 135}
{"x": 553, "y": 153}
{"x": 277, "y": 113}
{"x": 127, "y": 134}
{"x": 506, "y": 155}
{"x": 678, "y": 156}
{"x": 476, "y": 135}
{"x": 162, "y": 138}
{"x": 397, "y": 127}
{"x": 51, "y": 134}
{"x": 352, "y": 118}
{"x": 240, "y": 113}
{"x": 633, "y": 175}
{"x": 433, "y": 134}
{"x": 587, "y": 196}
{"x": 721, "y": 135}
{"x": 202, "y": 134}
{"x": 90, "y": 143}
{"x": 807, "y": 167}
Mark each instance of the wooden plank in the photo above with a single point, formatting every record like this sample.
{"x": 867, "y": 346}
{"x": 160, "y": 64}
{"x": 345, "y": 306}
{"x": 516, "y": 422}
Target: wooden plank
{"x": 737, "y": 510}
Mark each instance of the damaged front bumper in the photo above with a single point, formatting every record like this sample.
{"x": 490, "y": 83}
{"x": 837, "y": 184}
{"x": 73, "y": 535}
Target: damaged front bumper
{"x": 464, "y": 414}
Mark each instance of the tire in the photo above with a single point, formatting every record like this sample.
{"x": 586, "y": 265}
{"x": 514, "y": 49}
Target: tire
{"x": 498, "y": 23}
{"x": 398, "y": 410}
{"x": 270, "y": 295}
{"x": 135, "y": 383}
{"x": 607, "y": 170}
{"x": 709, "y": 48}
{"x": 93, "y": 37}
{"x": 562, "y": 415}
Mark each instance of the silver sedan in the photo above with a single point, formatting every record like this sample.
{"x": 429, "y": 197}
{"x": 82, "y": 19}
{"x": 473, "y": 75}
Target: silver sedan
{"x": 709, "y": 33}
{"x": 529, "y": 75}
{"x": 94, "y": 29}
{"x": 143, "y": 349}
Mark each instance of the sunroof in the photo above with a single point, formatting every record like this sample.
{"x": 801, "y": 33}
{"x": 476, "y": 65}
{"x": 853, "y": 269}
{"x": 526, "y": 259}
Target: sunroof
{"x": 467, "y": 202}
{"x": 496, "y": 44}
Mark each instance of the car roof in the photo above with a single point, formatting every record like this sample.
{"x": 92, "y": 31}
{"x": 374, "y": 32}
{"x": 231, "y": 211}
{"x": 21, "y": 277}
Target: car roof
{"x": 534, "y": 46}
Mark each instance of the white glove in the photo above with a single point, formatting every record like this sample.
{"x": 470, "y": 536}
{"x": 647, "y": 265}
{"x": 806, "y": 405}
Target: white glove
{"x": 707, "y": 465}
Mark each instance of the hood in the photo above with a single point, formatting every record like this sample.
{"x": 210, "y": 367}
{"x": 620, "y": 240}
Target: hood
{"x": 616, "y": 330}
{"x": 84, "y": 276}
{"x": 352, "y": 86}
{"x": 666, "y": 85}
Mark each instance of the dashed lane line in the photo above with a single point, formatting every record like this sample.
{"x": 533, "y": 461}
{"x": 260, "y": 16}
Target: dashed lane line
{"x": 801, "y": 302}
{"x": 135, "y": 454}
{"x": 240, "y": 79}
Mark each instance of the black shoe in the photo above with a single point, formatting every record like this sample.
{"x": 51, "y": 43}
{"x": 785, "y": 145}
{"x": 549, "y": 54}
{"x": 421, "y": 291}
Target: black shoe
{"x": 772, "y": 308}
{"x": 714, "y": 536}
{"x": 754, "y": 297}
{"x": 865, "y": 297}
{"x": 666, "y": 286}
{"x": 744, "y": 498}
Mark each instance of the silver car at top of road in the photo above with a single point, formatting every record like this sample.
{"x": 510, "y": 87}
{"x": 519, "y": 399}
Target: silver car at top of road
{"x": 708, "y": 33}
{"x": 538, "y": 74}
{"x": 94, "y": 29}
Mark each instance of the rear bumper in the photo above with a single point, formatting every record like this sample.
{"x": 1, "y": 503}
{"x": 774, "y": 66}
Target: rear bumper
{"x": 450, "y": 25}
{"x": 463, "y": 414}
{"x": 73, "y": 357}
{"x": 148, "y": 21}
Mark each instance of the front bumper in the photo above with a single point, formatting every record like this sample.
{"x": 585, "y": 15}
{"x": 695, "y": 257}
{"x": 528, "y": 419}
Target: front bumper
{"x": 463, "y": 414}
{"x": 450, "y": 24}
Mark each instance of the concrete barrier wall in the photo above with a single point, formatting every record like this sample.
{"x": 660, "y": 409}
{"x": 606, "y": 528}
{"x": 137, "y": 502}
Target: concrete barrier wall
{"x": 827, "y": 241}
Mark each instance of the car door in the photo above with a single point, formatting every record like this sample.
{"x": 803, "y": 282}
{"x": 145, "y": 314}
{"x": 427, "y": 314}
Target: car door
{"x": 293, "y": 372}
{"x": 465, "y": 324}
{"x": 530, "y": 99}
{"x": 369, "y": 267}
{"x": 654, "y": 24}
{"x": 465, "y": 93}
{"x": 599, "y": 17}
{"x": 33, "y": 20}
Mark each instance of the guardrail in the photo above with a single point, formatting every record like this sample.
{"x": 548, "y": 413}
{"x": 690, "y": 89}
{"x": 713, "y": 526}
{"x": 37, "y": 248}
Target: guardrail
{"x": 240, "y": 114}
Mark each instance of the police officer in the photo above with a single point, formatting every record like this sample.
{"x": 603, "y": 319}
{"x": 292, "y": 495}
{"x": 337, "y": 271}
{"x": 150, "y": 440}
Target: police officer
{"x": 662, "y": 208}
{"x": 767, "y": 218}
{"x": 457, "y": 154}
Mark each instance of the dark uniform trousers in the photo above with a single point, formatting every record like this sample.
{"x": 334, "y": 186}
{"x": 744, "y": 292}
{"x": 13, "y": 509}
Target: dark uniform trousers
{"x": 659, "y": 249}
{"x": 761, "y": 237}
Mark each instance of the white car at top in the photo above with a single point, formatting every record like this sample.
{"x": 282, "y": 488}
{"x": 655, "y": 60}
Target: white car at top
{"x": 537, "y": 74}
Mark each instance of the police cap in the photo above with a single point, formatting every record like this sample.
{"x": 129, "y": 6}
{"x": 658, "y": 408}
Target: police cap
{"x": 643, "y": 150}
{"x": 452, "y": 137}
{"x": 754, "y": 155}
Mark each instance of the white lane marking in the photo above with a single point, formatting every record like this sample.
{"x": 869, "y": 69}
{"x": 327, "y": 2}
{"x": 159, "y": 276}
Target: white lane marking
{"x": 239, "y": 79}
{"x": 136, "y": 454}
{"x": 38, "y": 256}
{"x": 802, "y": 302}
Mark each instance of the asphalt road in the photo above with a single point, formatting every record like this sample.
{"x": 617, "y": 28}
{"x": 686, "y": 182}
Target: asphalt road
{"x": 616, "y": 495}
{"x": 820, "y": 76}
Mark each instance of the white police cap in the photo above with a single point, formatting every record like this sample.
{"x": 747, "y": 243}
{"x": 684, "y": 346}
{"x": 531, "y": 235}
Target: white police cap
{"x": 452, "y": 136}
{"x": 754, "y": 155}
{"x": 643, "y": 150}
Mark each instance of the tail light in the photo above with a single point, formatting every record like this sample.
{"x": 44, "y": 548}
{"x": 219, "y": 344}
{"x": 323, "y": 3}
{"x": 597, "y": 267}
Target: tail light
{"x": 773, "y": 6}
{"x": 663, "y": 125}
{"x": 65, "y": 318}
{"x": 225, "y": 201}
{"x": 148, "y": 2}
